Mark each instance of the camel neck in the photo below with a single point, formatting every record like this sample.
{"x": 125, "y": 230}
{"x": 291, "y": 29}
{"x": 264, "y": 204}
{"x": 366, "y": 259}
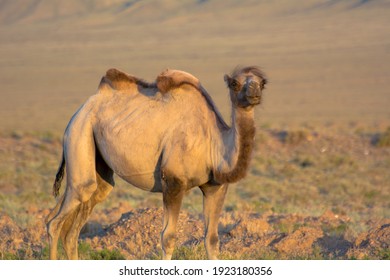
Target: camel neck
{"x": 239, "y": 140}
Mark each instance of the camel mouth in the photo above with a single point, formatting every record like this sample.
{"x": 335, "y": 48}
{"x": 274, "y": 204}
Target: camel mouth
{"x": 253, "y": 93}
{"x": 254, "y": 100}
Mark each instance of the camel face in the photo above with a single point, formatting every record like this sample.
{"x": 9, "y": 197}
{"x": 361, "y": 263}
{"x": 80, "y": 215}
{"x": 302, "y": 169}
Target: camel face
{"x": 246, "y": 86}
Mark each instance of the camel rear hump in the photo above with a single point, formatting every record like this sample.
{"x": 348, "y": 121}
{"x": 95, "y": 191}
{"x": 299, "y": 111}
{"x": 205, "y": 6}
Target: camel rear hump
{"x": 171, "y": 79}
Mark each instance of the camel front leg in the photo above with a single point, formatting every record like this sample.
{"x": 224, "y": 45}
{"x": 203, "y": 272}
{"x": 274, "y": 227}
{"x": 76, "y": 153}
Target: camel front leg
{"x": 173, "y": 192}
{"x": 213, "y": 199}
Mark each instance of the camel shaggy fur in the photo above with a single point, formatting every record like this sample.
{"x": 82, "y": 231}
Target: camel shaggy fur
{"x": 166, "y": 137}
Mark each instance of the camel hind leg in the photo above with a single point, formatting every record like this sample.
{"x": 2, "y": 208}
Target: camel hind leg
{"x": 67, "y": 224}
{"x": 72, "y": 227}
{"x": 68, "y": 205}
{"x": 54, "y": 230}
{"x": 81, "y": 183}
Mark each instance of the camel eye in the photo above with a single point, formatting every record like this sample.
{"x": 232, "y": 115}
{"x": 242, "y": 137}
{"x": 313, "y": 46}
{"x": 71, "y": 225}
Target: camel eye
{"x": 234, "y": 85}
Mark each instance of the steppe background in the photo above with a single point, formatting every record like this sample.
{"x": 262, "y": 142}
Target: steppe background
{"x": 319, "y": 185}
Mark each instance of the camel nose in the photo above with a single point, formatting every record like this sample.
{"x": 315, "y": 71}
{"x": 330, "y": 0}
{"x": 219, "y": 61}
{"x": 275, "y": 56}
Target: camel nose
{"x": 253, "y": 89}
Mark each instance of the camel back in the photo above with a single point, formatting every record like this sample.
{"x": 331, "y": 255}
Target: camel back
{"x": 168, "y": 80}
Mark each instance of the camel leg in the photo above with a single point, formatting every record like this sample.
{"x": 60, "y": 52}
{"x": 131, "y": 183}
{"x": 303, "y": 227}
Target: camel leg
{"x": 173, "y": 192}
{"x": 69, "y": 204}
{"x": 81, "y": 181}
{"x": 53, "y": 238}
{"x": 71, "y": 230}
{"x": 55, "y": 210}
{"x": 213, "y": 199}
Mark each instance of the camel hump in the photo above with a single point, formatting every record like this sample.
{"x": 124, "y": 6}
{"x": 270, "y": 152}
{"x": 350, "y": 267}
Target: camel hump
{"x": 171, "y": 79}
{"x": 119, "y": 80}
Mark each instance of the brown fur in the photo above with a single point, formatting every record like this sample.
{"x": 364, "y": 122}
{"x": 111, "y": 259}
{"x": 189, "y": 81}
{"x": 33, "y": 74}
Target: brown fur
{"x": 121, "y": 81}
{"x": 171, "y": 79}
{"x": 247, "y": 130}
{"x": 59, "y": 177}
{"x": 249, "y": 69}
{"x": 166, "y": 84}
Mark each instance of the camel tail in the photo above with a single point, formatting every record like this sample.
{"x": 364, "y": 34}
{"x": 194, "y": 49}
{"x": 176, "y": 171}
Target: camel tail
{"x": 59, "y": 177}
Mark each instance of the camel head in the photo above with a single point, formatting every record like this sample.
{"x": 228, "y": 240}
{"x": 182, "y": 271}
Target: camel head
{"x": 246, "y": 85}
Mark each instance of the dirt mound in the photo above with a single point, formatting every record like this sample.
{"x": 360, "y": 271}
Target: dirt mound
{"x": 19, "y": 243}
{"x": 372, "y": 243}
{"x": 136, "y": 235}
{"x": 244, "y": 236}
{"x": 11, "y": 234}
{"x": 300, "y": 240}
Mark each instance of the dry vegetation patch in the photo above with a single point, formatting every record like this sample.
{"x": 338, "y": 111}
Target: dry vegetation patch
{"x": 136, "y": 235}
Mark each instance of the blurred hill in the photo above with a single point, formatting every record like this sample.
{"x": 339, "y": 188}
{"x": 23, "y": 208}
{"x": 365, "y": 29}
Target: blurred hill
{"x": 32, "y": 11}
{"x": 327, "y": 60}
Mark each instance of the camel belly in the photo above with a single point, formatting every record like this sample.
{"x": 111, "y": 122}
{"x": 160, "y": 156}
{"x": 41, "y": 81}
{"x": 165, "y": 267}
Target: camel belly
{"x": 146, "y": 182}
{"x": 140, "y": 170}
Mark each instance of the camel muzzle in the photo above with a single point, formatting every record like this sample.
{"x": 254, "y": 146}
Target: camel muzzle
{"x": 253, "y": 92}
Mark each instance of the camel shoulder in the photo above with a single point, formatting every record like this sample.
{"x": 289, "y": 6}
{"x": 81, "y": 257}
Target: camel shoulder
{"x": 171, "y": 79}
{"x": 122, "y": 81}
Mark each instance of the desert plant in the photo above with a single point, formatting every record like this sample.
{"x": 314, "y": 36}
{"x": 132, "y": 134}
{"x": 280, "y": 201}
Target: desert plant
{"x": 382, "y": 139}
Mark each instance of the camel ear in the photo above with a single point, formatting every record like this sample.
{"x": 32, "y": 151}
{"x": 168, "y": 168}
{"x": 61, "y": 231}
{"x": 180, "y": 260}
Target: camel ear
{"x": 227, "y": 79}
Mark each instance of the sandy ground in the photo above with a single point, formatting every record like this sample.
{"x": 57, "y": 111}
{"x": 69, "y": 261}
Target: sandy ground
{"x": 136, "y": 235}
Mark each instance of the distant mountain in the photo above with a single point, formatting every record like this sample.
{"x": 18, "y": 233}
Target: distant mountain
{"x": 35, "y": 11}
{"x": 12, "y": 11}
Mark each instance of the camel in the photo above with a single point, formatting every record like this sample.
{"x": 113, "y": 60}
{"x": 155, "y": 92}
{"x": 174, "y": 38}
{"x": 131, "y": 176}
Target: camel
{"x": 167, "y": 137}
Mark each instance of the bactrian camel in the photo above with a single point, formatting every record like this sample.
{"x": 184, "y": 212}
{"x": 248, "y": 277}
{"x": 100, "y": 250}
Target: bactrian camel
{"x": 167, "y": 137}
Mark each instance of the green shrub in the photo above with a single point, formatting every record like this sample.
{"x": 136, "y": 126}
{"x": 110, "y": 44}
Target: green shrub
{"x": 86, "y": 252}
{"x": 294, "y": 137}
{"x": 383, "y": 139}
